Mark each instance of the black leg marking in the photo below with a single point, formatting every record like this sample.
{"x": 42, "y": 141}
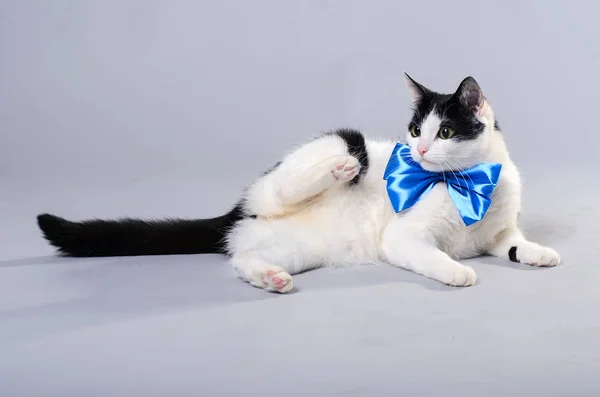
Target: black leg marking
{"x": 512, "y": 254}
{"x": 357, "y": 147}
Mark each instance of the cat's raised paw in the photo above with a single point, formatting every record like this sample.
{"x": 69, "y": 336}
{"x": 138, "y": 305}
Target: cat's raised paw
{"x": 276, "y": 279}
{"x": 346, "y": 168}
{"x": 463, "y": 276}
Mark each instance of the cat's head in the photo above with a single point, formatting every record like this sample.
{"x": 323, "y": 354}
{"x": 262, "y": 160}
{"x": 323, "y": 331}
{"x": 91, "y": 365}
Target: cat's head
{"x": 449, "y": 131}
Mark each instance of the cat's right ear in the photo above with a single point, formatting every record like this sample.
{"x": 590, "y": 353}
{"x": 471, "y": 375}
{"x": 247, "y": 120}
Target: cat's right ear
{"x": 416, "y": 90}
{"x": 470, "y": 95}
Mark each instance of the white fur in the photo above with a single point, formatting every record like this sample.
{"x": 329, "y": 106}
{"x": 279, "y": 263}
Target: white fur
{"x": 307, "y": 216}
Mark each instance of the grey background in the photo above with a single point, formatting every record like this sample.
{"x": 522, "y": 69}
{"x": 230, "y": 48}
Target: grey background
{"x": 153, "y": 108}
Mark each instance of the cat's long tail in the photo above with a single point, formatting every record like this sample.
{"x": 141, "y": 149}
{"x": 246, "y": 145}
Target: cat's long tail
{"x": 132, "y": 237}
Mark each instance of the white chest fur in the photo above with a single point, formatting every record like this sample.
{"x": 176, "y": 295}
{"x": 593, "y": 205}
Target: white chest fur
{"x": 460, "y": 241}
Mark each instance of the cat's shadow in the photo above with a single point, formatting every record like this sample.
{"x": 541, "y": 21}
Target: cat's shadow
{"x": 483, "y": 261}
{"x": 373, "y": 275}
{"x": 361, "y": 276}
{"x": 33, "y": 261}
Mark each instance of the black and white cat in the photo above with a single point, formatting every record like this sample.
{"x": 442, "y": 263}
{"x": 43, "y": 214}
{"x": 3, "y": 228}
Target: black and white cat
{"x": 326, "y": 204}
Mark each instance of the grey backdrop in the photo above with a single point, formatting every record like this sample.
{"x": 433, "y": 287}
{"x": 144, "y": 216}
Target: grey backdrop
{"x": 151, "y": 108}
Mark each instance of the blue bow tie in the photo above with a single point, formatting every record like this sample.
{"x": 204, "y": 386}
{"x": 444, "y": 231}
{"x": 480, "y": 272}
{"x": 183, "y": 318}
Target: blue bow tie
{"x": 470, "y": 189}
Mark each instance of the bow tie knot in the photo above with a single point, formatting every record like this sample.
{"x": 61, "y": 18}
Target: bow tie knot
{"x": 470, "y": 189}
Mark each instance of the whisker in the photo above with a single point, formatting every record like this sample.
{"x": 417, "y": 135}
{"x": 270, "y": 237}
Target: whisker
{"x": 452, "y": 168}
{"x": 444, "y": 172}
{"x": 463, "y": 174}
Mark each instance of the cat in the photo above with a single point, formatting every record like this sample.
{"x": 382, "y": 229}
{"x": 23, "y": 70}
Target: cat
{"x": 325, "y": 204}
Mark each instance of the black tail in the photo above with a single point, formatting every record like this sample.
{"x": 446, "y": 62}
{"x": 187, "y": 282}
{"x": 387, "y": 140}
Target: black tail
{"x": 131, "y": 237}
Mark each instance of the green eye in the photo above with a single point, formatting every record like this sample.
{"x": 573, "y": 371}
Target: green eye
{"x": 446, "y": 133}
{"x": 415, "y": 131}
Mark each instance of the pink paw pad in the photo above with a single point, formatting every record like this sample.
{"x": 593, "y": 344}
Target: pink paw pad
{"x": 278, "y": 280}
{"x": 347, "y": 169}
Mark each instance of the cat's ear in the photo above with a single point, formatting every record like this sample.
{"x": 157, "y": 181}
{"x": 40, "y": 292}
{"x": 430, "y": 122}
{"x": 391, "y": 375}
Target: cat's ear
{"x": 470, "y": 95}
{"x": 416, "y": 90}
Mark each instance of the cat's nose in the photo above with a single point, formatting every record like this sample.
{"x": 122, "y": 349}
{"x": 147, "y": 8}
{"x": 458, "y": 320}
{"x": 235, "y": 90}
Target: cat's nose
{"x": 422, "y": 150}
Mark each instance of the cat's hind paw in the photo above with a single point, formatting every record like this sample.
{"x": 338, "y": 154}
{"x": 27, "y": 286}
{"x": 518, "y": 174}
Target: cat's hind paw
{"x": 273, "y": 278}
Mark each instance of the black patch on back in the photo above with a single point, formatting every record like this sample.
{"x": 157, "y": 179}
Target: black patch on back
{"x": 452, "y": 113}
{"x": 512, "y": 254}
{"x": 496, "y": 125}
{"x": 355, "y": 141}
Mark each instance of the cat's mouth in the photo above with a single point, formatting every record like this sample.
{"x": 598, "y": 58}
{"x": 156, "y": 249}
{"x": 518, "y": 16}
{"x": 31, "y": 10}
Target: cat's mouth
{"x": 425, "y": 161}
{"x": 432, "y": 166}
{"x": 422, "y": 160}
{"x": 438, "y": 167}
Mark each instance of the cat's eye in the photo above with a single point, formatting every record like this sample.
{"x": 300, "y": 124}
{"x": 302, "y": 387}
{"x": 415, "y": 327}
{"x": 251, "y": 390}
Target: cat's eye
{"x": 445, "y": 133}
{"x": 415, "y": 131}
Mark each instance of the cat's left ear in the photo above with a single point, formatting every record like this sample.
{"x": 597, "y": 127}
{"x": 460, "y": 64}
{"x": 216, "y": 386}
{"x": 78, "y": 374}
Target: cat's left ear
{"x": 417, "y": 91}
{"x": 470, "y": 95}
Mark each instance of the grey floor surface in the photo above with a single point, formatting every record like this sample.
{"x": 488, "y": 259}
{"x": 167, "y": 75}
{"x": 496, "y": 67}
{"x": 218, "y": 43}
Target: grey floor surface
{"x": 167, "y": 108}
{"x": 184, "y": 326}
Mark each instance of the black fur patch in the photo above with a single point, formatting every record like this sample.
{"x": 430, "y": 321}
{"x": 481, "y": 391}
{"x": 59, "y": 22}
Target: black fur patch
{"x": 496, "y": 125}
{"x": 452, "y": 113}
{"x": 132, "y": 237}
{"x": 512, "y": 254}
{"x": 456, "y": 111}
{"x": 357, "y": 147}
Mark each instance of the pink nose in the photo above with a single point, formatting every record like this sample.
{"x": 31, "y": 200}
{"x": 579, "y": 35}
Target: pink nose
{"x": 422, "y": 150}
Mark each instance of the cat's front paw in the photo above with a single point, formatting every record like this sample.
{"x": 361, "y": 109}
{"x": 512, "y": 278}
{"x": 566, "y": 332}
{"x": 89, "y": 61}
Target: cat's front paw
{"x": 535, "y": 255}
{"x": 463, "y": 276}
{"x": 346, "y": 168}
